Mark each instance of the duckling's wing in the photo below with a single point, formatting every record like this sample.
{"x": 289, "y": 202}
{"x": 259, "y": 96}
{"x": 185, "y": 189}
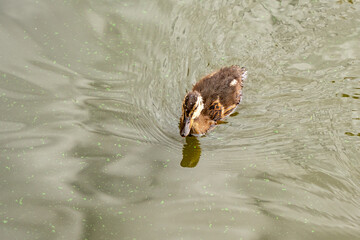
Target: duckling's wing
{"x": 216, "y": 110}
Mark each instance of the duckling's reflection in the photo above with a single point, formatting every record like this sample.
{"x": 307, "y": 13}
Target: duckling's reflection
{"x": 191, "y": 152}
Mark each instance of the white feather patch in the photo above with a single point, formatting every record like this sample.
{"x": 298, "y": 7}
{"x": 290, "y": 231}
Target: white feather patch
{"x": 199, "y": 107}
{"x": 233, "y": 82}
{"x": 244, "y": 75}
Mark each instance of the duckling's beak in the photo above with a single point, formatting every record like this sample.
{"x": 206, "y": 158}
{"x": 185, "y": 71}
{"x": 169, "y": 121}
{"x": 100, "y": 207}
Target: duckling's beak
{"x": 186, "y": 129}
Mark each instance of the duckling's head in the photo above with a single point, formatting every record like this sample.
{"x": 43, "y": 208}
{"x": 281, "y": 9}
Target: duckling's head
{"x": 191, "y": 109}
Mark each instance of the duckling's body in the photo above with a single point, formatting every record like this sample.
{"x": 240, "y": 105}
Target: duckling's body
{"x": 213, "y": 98}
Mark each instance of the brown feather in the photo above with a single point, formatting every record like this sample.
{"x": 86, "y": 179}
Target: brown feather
{"x": 220, "y": 96}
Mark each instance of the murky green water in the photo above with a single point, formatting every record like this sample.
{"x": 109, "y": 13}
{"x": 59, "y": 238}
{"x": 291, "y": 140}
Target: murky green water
{"x": 90, "y": 97}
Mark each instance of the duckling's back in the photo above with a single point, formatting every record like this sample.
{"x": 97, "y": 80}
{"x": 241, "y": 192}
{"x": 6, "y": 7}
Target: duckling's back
{"x": 224, "y": 86}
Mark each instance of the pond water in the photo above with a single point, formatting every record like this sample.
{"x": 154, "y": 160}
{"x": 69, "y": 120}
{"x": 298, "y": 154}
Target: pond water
{"x": 90, "y": 100}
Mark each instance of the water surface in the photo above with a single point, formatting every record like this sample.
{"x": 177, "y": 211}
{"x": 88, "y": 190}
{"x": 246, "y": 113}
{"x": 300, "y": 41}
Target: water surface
{"x": 90, "y": 97}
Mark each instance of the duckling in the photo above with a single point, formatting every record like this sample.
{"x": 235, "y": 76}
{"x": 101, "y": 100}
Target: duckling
{"x": 212, "y": 99}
